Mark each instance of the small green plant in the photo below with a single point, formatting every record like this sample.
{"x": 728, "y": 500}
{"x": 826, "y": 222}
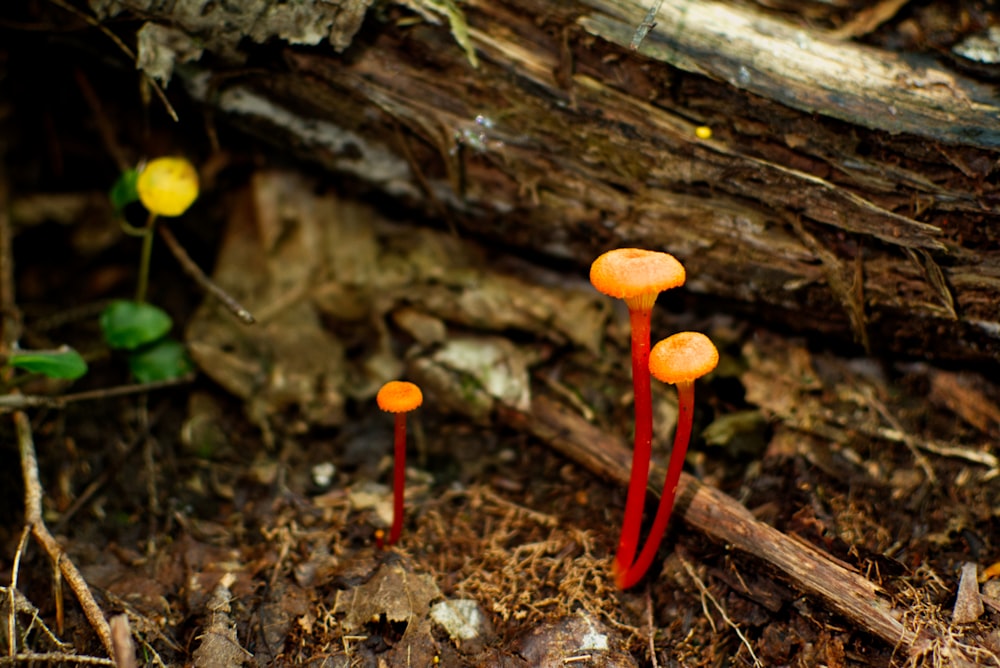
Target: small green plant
{"x": 130, "y": 325}
{"x": 166, "y": 187}
{"x": 141, "y": 329}
{"x": 63, "y": 363}
{"x": 165, "y": 359}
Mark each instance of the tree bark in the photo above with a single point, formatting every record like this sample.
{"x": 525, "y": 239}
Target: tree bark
{"x": 845, "y": 190}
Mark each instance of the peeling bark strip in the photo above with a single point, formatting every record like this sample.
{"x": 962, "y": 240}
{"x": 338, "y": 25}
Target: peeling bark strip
{"x": 567, "y": 142}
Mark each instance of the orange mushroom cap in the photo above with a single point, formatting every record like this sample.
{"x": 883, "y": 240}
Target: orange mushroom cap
{"x": 636, "y": 275}
{"x": 399, "y": 396}
{"x": 683, "y": 357}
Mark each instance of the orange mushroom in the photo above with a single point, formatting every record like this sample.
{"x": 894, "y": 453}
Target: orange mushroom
{"x": 399, "y": 397}
{"x": 679, "y": 360}
{"x": 638, "y": 276}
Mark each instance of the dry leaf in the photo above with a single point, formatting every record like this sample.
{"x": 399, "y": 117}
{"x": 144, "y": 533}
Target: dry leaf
{"x": 397, "y": 595}
{"x": 220, "y": 648}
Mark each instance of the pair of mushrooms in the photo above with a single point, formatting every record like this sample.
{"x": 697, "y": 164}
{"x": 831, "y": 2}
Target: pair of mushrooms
{"x": 637, "y": 276}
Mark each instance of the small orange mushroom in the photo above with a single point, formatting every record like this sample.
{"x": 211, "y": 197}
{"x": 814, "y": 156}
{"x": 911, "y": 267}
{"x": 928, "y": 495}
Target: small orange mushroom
{"x": 638, "y": 276}
{"x": 679, "y": 360}
{"x": 399, "y": 397}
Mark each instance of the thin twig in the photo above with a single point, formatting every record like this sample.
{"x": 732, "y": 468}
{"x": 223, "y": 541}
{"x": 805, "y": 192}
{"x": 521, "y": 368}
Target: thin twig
{"x": 12, "y": 402}
{"x": 33, "y": 518}
{"x": 12, "y": 594}
{"x": 651, "y": 629}
{"x": 121, "y": 633}
{"x": 206, "y": 283}
{"x": 125, "y": 49}
{"x": 24, "y": 606}
{"x": 54, "y": 657}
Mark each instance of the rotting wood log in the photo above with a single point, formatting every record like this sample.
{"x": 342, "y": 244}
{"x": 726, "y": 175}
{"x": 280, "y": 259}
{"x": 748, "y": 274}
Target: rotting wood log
{"x": 846, "y": 190}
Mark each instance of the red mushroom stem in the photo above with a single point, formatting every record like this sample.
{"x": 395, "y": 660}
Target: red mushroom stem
{"x": 642, "y": 449}
{"x": 682, "y": 437}
{"x": 398, "y": 478}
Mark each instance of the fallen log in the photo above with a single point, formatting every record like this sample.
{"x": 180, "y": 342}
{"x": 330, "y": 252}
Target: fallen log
{"x": 846, "y": 190}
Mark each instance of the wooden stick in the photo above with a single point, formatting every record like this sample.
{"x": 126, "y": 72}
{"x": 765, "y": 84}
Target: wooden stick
{"x": 723, "y": 519}
{"x": 202, "y": 279}
{"x": 33, "y": 519}
{"x": 14, "y": 402}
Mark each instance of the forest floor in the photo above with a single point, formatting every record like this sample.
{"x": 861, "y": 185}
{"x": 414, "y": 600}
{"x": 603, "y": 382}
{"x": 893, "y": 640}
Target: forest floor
{"x": 230, "y": 517}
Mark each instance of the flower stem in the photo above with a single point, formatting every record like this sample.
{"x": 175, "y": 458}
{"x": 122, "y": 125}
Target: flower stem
{"x": 144, "y": 259}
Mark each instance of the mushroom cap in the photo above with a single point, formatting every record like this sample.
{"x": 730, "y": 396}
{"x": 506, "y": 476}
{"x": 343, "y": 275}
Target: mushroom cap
{"x": 683, "y": 357}
{"x": 167, "y": 186}
{"x": 399, "y": 396}
{"x": 630, "y": 273}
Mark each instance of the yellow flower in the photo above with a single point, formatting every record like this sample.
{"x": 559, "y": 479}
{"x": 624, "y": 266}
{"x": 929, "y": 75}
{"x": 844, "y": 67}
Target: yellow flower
{"x": 168, "y": 186}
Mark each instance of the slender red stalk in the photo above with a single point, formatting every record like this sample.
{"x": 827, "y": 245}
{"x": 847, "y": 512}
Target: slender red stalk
{"x": 398, "y": 478}
{"x": 685, "y": 402}
{"x": 635, "y": 501}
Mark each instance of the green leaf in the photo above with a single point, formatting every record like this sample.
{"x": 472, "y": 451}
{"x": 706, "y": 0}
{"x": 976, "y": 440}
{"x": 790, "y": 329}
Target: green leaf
{"x": 130, "y": 325}
{"x": 124, "y": 191}
{"x": 164, "y": 360}
{"x": 64, "y": 363}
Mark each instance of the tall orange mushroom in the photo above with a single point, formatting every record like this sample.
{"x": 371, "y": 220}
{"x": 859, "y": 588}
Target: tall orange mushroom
{"x": 638, "y": 276}
{"x": 399, "y": 397}
{"x": 679, "y": 360}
